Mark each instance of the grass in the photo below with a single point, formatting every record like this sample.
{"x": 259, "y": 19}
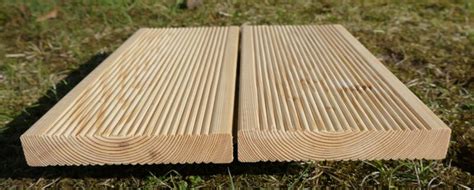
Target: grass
{"x": 428, "y": 46}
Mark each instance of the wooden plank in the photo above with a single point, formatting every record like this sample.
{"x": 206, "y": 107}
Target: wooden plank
{"x": 165, "y": 96}
{"x": 315, "y": 93}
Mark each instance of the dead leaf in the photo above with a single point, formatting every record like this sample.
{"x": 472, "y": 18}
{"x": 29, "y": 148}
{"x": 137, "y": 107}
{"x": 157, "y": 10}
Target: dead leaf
{"x": 51, "y": 14}
{"x": 24, "y": 10}
{"x": 192, "y": 4}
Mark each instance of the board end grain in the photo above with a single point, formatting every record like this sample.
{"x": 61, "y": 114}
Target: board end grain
{"x": 320, "y": 146}
{"x": 97, "y": 150}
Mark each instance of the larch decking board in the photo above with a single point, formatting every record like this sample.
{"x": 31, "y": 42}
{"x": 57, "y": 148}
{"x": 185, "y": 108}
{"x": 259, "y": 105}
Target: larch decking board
{"x": 165, "y": 96}
{"x": 315, "y": 93}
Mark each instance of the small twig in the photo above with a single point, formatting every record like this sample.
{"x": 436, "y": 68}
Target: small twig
{"x": 106, "y": 183}
{"x": 463, "y": 186}
{"x": 35, "y": 184}
{"x": 225, "y": 14}
{"x": 400, "y": 62}
{"x": 15, "y": 55}
{"x": 50, "y": 184}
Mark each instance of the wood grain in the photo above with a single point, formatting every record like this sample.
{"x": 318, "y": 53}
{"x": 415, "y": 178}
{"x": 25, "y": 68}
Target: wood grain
{"x": 315, "y": 93}
{"x": 165, "y": 96}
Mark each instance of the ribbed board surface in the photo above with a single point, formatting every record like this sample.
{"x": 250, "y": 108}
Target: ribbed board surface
{"x": 315, "y": 93}
{"x": 165, "y": 96}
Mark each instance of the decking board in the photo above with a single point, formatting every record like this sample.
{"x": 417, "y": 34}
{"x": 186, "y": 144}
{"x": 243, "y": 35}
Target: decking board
{"x": 165, "y": 96}
{"x": 315, "y": 93}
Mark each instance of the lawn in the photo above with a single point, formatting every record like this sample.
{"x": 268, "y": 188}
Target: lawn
{"x": 47, "y": 47}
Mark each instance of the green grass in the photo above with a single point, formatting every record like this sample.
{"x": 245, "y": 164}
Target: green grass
{"x": 428, "y": 46}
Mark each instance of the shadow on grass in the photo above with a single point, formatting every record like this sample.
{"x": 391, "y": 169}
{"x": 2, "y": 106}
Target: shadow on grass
{"x": 13, "y": 164}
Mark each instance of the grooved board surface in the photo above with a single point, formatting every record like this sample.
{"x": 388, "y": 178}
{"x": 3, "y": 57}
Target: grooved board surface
{"x": 315, "y": 93}
{"x": 165, "y": 96}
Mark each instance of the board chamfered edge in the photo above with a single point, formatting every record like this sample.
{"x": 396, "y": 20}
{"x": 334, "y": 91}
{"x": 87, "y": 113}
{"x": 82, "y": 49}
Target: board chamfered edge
{"x": 51, "y": 150}
{"x": 256, "y": 146}
{"x": 214, "y": 146}
{"x": 276, "y": 144}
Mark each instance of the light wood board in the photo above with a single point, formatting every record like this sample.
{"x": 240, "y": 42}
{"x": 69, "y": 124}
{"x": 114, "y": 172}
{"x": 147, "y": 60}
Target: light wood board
{"x": 315, "y": 93}
{"x": 165, "y": 96}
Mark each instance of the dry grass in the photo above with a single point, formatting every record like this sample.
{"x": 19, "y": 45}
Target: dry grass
{"x": 429, "y": 46}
